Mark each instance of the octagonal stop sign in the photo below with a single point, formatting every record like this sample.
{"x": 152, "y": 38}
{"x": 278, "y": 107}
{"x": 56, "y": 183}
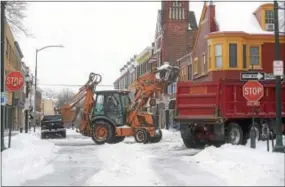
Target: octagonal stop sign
{"x": 253, "y": 91}
{"x": 14, "y": 81}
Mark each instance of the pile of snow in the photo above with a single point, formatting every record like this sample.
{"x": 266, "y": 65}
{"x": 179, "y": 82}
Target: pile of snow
{"x": 241, "y": 165}
{"x": 123, "y": 167}
{"x": 26, "y": 159}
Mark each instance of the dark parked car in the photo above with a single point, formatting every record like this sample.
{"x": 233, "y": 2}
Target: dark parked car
{"x": 52, "y": 125}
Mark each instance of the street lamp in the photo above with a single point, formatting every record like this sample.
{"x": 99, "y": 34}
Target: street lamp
{"x": 279, "y": 147}
{"x": 28, "y": 80}
{"x": 36, "y": 72}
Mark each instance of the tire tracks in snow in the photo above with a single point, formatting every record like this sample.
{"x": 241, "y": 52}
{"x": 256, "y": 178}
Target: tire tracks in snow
{"x": 76, "y": 161}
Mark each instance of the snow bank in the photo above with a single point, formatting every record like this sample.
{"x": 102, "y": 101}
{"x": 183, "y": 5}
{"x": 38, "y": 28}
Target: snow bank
{"x": 124, "y": 164}
{"x": 241, "y": 165}
{"x": 26, "y": 159}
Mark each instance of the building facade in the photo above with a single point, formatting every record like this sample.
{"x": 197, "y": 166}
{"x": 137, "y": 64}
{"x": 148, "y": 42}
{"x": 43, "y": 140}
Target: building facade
{"x": 127, "y": 74}
{"x": 13, "y": 57}
{"x": 223, "y": 50}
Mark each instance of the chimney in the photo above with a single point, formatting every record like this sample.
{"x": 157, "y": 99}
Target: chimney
{"x": 212, "y": 14}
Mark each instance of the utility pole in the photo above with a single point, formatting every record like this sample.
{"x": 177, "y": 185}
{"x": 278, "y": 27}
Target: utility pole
{"x": 3, "y": 3}
{"x": 279, "y": 147}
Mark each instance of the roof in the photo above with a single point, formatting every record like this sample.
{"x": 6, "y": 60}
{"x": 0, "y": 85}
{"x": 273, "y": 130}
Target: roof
{"x": 239, "y": 17}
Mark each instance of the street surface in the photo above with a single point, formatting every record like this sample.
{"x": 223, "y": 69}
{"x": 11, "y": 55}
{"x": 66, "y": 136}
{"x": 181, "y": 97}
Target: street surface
{"x": 77, "y": 161}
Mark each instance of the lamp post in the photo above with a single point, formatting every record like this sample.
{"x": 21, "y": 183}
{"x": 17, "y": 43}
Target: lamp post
{"x": 28, "y": 81}
{"x": 3, "y": 4}
{"x": 279, "y": 147}
{"x": 36, "y": 73}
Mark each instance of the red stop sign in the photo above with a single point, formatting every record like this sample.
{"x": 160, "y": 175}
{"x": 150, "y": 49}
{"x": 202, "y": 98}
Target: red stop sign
{"x": 252, "y": 91}
{"x": 14, "y": 81}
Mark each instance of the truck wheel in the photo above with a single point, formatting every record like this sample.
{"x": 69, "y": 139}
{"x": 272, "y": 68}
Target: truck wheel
{"x": 235, "y": 134}
{"x": 141, "y": 136}
{"x": 156, "y": 138}
{"x": 64, "y": 134}
{"x": 102, "y": 132}
{"x": 43, "y": 135}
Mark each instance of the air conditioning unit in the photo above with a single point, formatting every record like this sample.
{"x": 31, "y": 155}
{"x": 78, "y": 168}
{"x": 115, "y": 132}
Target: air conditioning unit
{"x": 269, "y": 27}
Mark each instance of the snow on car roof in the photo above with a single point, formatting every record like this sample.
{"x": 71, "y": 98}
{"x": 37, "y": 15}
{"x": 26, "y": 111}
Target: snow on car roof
{"x": 238, "y": 16}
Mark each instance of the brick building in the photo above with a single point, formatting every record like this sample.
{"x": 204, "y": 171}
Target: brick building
{"x": 13, "y": 57}
{"x": 128, "y": 74}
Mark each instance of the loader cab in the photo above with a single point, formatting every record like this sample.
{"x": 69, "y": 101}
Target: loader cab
{"x": 112, "y": 104}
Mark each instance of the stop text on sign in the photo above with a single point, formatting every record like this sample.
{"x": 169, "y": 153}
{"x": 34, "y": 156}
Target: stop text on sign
{"x": 253, "y": 91}
{"x": 15, "y": 81}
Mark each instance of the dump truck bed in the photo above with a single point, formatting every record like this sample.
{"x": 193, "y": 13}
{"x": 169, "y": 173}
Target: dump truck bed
{"x": 209, "y": 101}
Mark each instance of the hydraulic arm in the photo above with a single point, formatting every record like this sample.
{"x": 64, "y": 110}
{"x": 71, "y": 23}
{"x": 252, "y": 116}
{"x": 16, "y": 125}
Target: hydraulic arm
{"x": 86, "y": 92}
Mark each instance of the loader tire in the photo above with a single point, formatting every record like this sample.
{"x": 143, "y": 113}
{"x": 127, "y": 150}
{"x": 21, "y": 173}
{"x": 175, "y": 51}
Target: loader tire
{"x": 156, "y": 138}
{"x": 116, "y": 139}
{"x": 102, "y": 132}
{"x": 141, "y": 136}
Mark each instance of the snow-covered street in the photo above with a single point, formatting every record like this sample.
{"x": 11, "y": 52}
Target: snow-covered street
{"x": 77, "y": 161}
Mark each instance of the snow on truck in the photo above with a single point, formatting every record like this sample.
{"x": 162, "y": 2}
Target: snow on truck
{"x": 216, "y": 112}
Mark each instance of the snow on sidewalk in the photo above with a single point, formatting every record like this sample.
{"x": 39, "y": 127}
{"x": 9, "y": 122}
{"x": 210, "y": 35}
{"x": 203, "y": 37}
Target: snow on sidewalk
{"x": 124, "y": 164}
{"x": 26, "y": 159}
{"x": 243, "y": 166}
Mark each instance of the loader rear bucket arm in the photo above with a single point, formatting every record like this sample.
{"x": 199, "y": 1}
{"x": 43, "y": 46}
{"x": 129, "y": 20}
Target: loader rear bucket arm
{"x": 87, "y": 92}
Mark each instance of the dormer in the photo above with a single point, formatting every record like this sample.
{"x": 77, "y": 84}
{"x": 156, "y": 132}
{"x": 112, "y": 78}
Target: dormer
{"x": 265, "y": 16}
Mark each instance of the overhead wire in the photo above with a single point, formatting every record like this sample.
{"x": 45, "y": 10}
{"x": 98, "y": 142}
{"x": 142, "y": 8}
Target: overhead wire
{"x": 73, "y": 85}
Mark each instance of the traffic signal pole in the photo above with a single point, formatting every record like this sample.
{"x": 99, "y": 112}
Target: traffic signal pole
{"x": 3, "y": 3}
{"x": 279, "y": 147}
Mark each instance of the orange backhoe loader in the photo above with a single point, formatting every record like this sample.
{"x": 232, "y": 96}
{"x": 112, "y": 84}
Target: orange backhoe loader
{"x": 115, "y": 116}
{"x": 112, "y": 116}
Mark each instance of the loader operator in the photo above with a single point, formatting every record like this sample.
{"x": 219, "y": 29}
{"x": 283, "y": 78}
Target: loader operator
{"x": 111, "y": 106}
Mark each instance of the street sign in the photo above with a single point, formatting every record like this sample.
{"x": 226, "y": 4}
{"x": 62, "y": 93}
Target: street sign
{"x": 251, "y": 75}
{"x": 14, "y": 81}
{"x": 253, "y": 91}
{"x": 3, "y": 98}
{"x": 260, "y": 76}
{"x": 278, "y": 68}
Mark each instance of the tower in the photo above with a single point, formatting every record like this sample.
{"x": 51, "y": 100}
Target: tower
{"x": 174, "y": 25}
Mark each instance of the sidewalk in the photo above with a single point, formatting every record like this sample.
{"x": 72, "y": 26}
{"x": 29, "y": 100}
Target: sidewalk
{"x": 13, "y": 133}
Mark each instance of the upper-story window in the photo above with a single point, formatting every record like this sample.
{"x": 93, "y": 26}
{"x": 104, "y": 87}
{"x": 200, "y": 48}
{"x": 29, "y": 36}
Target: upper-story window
{"x": 218, "y": 56}
{"x": 269, "y": 20}
{"x": 269, "y": 16}
{"x": 232, "y": 55}
{"x": 254, "y": 56}
{"x": 177, "y": 4}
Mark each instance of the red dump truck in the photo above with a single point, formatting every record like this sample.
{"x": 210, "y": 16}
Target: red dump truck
{"x": 216, "y": 112}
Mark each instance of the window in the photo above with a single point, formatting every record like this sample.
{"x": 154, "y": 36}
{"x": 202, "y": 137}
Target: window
{"x": 232, "y": 55}
{"x": 195, "y": 64}
{"x": 99, "y": 107}
{"x": 209, "y": 56}
{"x": 218, "y": 56}
{"x": 269, "y": 16}
{"x": 254, "y": 56}
{"x": 204, "y": 64}
{"x": 244, "y": 56}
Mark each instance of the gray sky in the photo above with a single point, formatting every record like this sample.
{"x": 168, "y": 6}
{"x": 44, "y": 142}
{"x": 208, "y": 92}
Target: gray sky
{"x": 99, "y": 37}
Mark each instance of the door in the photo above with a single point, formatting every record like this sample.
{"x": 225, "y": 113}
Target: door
{"x": 113, "y": 108}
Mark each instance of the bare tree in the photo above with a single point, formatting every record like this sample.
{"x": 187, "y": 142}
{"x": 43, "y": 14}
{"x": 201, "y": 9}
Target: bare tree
{"x": 15, "y": 15}
{"x": 64, "y": 96}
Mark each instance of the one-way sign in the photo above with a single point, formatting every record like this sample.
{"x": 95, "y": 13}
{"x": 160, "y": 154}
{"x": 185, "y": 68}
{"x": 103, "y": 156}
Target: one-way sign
{"x": 249, "y": 76}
